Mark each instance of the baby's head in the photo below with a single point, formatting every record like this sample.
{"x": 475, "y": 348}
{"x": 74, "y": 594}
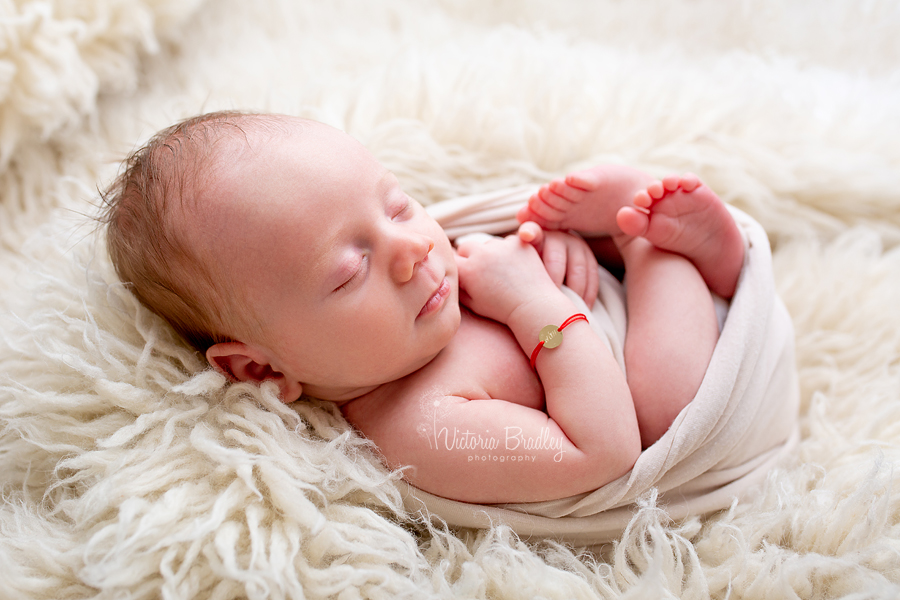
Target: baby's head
{"x": 283, "y": 250}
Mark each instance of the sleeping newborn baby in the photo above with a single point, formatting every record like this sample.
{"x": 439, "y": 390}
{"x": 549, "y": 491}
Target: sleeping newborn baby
{"x": 285, "y": 252}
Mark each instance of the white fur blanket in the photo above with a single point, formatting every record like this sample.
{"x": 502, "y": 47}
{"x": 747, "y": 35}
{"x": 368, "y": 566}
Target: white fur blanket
{"x": 128, "y": 471}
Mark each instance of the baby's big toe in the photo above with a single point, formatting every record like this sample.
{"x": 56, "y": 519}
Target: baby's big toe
{"x": 632, "y": 221}
{"x": 671, "y": 183}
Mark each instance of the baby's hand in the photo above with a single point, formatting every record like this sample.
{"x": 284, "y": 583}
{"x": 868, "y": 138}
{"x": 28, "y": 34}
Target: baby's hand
{"x": 567, "y": 258}
{"x": 498, "y": 276}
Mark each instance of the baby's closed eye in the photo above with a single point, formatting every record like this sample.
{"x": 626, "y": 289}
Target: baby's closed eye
{"x": 352, "y": 273}
{"x": 402, "y": 208}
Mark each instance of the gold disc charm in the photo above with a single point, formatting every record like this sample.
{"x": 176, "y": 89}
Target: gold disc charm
{"x": 551, "y": 336}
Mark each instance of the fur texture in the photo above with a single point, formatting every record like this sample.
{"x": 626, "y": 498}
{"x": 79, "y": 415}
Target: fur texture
{"x": 129, "y": 471}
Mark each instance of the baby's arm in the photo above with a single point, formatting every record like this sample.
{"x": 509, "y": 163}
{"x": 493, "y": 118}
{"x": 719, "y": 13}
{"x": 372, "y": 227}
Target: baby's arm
{"x": 490, "y": 451}
{"x": 588, "y": 435}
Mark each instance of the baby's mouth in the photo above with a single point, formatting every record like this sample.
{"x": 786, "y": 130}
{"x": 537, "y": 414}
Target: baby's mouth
{"x": 437, "y": 299}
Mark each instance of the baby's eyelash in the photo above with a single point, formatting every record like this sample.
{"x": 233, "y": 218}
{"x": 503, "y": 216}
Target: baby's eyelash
{"x": 353, "y": 277}
{"x": 346, "y": 283}
{"x": 404, "y": 208}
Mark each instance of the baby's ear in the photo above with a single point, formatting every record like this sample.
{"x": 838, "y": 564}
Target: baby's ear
{"x": 242, "y": 362}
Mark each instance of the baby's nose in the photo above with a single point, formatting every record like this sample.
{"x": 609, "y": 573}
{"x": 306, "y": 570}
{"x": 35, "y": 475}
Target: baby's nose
{"x": 410, "y": 253}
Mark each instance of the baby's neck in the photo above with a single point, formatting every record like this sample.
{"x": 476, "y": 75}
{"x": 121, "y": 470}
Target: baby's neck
{"x": 338, "y": 395}
{"x": 341, "y": 395}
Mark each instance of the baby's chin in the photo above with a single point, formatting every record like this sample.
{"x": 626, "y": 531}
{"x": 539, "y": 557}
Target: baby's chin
{"x": 450, "y": 321}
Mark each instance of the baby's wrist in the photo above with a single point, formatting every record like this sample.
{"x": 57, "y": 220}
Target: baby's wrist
{"x": 527, "y": 320}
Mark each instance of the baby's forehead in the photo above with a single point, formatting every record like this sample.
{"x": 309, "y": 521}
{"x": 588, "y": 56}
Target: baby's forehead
{"x": 279, "y": 167}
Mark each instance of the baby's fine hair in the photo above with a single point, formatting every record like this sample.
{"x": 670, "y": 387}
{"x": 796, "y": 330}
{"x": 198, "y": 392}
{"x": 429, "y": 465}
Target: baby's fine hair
{"x": 141, "y": 210}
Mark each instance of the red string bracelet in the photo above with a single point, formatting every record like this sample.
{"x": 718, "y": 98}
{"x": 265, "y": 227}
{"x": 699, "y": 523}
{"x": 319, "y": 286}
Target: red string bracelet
{"x": 551, "y": 336}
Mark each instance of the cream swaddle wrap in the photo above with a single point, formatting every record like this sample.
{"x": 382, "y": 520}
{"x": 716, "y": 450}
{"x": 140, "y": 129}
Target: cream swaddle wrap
{"x": 741, "y": 422}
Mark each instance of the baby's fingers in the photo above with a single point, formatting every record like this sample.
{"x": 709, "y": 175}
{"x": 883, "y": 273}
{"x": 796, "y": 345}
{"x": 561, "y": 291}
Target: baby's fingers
{"x": 592, "y": 287}
{"x": 555, "y": 257}
{"x": 531, "y": 233}
{"x": 582, "y": 273}
{"x": 463, "y": 250}
{"x": 577, "y": 271}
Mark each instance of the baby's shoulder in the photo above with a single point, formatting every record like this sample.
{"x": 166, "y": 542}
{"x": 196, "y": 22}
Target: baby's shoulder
{"x": 396, "y": 412}
{"x": 407, "y": 399}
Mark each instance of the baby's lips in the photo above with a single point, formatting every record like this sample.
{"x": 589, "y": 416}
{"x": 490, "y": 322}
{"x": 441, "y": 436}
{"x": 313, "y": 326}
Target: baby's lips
{"x": 437, "y": 297}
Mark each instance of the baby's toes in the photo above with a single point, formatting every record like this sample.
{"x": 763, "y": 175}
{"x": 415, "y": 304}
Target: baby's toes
{"x": 586, "y": 181}
{"x": 554, "y": 196}
{"x": 540, "y": 210}
{"x": 566, "y": 192}
{"x": 689, "y": 182}
{"x": 643, "y": 199}
{"x": 646, "y": 197}
{"x": 656, "y": 190}
{"x": 671, "y": 183}
{"x": 524, "y": 214}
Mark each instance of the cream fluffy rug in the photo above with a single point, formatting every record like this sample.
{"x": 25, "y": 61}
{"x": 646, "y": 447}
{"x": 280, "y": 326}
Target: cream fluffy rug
{"x": 130, "y": 472}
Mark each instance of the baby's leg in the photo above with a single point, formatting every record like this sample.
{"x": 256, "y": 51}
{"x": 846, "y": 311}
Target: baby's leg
{"x": 682, "y": 215}
{"x": 679, "y": 243}
{"x": 671, "y": 333}
{"x": 586, "y": 201}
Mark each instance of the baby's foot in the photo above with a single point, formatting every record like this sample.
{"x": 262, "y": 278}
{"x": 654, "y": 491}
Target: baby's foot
{"x": 681, "y": 215}
{"x": 586, "y": 201}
